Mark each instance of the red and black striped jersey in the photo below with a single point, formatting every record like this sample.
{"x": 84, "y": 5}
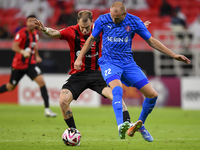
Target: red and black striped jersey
{"x": 76, "y": 40}
{"x": 27, "y": 41}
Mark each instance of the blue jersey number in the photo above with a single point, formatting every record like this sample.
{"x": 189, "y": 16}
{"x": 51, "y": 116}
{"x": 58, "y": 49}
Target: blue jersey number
{"x": 107, "y": 72}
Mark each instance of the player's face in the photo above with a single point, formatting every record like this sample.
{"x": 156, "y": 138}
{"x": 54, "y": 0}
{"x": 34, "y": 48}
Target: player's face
{"x": 117, "y": 17}
{"x": 30, "y": 24}
{"x": 85, "y": 27}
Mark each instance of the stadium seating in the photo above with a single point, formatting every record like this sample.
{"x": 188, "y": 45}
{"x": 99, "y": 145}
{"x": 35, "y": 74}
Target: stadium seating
{"x": 191, "y": 8}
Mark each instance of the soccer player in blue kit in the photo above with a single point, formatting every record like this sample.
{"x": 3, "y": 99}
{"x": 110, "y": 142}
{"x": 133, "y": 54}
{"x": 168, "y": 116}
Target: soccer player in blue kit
{"x": 118, "y": 66}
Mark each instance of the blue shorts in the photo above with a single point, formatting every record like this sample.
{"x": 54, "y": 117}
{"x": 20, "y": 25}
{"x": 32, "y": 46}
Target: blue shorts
{"x": 129, "y": 73}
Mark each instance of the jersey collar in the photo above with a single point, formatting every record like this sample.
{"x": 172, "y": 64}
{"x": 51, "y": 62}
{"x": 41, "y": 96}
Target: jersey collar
{"x": 81, "y": 32}
{"x": 123, "y": 20}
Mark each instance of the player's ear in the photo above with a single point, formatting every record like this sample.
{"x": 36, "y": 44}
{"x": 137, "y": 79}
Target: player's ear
{"x": 77, "y": 20}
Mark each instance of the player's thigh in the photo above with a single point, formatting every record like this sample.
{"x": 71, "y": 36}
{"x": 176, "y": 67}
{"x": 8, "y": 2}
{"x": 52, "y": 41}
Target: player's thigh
{"x": 111, "y": 71}
{"x": 35, "y": 74}
{"x": 96, "y": 82}
{"x": 66, "y": 97}
{"x": 76, "y": 85}
{"x": 16, "y": 76}
{"x": 39, "y": 80}
{"x": 134, "y": 76}
{"x": 107, "y": 92}
{"x": 148, "y": 91}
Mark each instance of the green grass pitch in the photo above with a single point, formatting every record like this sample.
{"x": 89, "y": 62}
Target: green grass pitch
{"x": 26, "y": 128}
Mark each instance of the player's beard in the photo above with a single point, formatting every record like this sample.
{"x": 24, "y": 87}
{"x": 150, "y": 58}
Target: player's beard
{"x": 31, "y": 28}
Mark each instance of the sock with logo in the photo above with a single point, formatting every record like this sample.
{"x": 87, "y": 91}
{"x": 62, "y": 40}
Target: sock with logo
{"x": 117, "y": 104}
{"x": 147, "y": 107}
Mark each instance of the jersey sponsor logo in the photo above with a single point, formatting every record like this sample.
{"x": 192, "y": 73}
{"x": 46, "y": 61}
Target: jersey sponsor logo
{"x": 83, "y": 45}
{"x": 94, "y": 55}
{"x": 90, "y": 56}
{"x": 127, "y": 28}
{"x": 117, "y": 39}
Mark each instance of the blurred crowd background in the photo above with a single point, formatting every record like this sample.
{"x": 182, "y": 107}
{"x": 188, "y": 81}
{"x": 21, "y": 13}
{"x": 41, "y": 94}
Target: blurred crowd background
{"x": 176, "y": 15}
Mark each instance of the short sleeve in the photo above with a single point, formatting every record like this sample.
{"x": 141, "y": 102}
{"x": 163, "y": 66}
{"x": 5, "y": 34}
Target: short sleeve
{"x": 64, "y": 33}
{"x": 19, "y": 37}
{"x": 96, "y": 28}
{"x": 142, "y": 31}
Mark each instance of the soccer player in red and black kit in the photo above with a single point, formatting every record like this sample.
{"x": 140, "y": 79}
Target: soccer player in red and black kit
{"x": 90, "y": 75}
{"x": 25, "y": 62}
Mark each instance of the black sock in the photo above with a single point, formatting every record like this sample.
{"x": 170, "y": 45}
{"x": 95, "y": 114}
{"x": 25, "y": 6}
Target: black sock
{"x": 45, "y": 96}
{"x": 126, "y": 116}
{"x": 70, "y": 122}
{"x": 3, "y": 88}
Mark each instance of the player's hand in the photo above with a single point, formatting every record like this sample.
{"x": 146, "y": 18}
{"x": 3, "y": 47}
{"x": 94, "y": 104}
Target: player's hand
{"x": 38, "y": 59}
{"x": 182, "y": 58}
{"x": 26, "y": 54}
{"x": 39, "y": 25}
{"x": 78, "y": 64}
{"x": 147, "y": 23}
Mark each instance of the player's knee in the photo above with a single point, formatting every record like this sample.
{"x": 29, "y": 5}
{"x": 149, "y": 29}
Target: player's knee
{"x": 41, "y": 83}
{"x": 117, "y": 91}
{"x": 153, "y": 95}
{"x": 10, "y": 87}
{"x": 64, "y": 101}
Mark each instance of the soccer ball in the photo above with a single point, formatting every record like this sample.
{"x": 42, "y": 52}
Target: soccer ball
{"x": 71, "y": 137}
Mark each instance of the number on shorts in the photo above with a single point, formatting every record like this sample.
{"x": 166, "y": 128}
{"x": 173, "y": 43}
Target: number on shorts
{"x": 107, "y": 72}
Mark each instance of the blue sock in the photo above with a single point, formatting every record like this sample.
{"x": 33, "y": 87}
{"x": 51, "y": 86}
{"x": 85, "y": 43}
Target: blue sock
{"x": 147, "y": 107}
{"x": 117, "y": 104}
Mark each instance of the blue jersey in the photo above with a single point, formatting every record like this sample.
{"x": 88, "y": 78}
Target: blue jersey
{"x": 117, "y": 38}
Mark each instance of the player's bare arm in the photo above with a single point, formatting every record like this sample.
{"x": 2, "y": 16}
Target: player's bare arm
{"x": 84, "y": 50}
{"x": 37, "y": 56}
{"x": 16, "y": 48}
{"x": 47, "y": 31}
{"x": 160, "y": 47}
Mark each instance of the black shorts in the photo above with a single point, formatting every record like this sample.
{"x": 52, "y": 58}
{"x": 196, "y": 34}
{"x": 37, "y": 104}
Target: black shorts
{"x": 32, "y": 71}
{"x": 78, "y": 82}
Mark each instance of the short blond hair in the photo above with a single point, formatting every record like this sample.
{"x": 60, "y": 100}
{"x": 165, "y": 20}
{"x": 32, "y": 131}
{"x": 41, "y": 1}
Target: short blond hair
{"x": 119, "y": 5}
{"x": 85, "y": 15}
